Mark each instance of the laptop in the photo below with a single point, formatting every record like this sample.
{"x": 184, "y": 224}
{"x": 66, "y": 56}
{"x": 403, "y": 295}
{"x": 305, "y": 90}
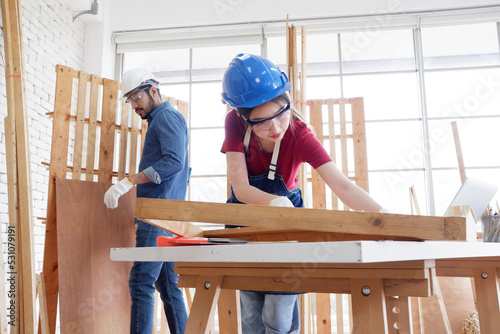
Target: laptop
{"x": 477, "y": 194}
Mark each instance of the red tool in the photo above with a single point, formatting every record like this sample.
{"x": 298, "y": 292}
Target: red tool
{"x": 185, "y": 241}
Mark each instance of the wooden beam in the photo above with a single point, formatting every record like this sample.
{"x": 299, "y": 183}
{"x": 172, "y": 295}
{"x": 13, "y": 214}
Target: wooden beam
{"x": 383, "y": 224}
{"x": 58, "y": 166}
{"x": 184, "y": 229}
{"x": 16, "y": 103}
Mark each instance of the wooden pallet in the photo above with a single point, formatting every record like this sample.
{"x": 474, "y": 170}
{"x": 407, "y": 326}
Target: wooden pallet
{"x": 96, "y": 138}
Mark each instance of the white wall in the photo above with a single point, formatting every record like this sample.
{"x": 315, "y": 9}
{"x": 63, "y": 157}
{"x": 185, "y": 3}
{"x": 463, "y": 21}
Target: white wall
{"x": 129, "y": 15}
{"x": 50, "y": 38}
{"x": 162, "y": 14}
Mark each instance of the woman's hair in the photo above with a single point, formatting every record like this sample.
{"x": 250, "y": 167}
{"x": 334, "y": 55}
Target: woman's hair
{"x": 281, "y": 100}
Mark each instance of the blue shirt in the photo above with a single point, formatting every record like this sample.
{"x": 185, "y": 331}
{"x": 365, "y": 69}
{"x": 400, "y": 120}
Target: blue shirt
{"x": 165, "y": 155}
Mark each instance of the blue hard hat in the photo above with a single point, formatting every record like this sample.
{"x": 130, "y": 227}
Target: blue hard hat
{"x": 251, "y": 80}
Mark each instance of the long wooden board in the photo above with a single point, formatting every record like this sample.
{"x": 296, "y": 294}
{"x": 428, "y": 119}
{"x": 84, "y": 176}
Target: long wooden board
{"x": 17, "y": 117}
{"x": 93, "y": 290}
{"x": 348, "y": 222}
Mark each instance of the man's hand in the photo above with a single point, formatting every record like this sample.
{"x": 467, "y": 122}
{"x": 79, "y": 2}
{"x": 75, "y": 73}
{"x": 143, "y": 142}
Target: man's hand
{"x": 281, "y": 201}
{"x": 115, "y": 192}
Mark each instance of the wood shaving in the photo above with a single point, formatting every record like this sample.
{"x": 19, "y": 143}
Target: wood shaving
{"x": 470, "y": 325}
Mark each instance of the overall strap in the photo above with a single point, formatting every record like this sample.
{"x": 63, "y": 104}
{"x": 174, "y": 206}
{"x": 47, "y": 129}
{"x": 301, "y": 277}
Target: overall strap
{"x": 274, "y": 159}
{"x": 246, "y": 139}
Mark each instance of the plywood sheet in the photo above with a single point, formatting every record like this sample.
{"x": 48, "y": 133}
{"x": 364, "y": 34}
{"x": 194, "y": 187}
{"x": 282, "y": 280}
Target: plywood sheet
{"x": 93, "y": 290}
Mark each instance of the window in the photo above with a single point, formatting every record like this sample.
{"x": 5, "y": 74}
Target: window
{"x": 408, "y": 108}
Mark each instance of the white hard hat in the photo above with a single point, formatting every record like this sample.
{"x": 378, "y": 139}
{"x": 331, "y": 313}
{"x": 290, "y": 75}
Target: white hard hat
{"x": 135, "y": 78}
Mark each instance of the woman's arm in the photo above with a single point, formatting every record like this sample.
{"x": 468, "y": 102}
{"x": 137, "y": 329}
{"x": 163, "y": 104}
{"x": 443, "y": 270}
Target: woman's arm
{"x": 348, "y": 192}
{"x": 238, "y": 174}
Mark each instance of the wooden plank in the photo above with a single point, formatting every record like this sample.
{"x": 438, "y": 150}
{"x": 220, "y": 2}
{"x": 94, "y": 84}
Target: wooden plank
{"x": 333, "y": 148}
{"x": 229, "y": 312}
{"x": 107, "y": 137}
{"x": 184, "y": 229}
{"x": 318, "y": 185}
{"x": 44, "y": 321}
{"x": 58, "y": 164}
{"x": 289, "y": 283}
{"x": 13, "y": 242}
{"x": 421, "y": 227}
{"x": 3, "y": 295}
{"x": 94, "y": 295}
{"x": 79, "y": 125}
{"x": 323, "y": 319}
{"x": 359, "y": 142}
{"x": 369, "y": 314}
{"x": 16, "y": 103}
{"x": 340, "y": 313}
{"x": 122, "y": 158}
{"x": 339, "y": 272}
{"x": 488, "y": 299}
{"x": 92, "y": 131}
{"x": 134, "y": 134}
{"x": 144, "y": 129}
{"x": 343, "y": 137}
{"x": 205, "y": 299}
{"x": 399, "y": 314}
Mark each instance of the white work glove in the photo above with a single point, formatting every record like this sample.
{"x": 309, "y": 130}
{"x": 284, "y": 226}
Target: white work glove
{"x": 115, "y": 192}
{"x": 281, "y": 201}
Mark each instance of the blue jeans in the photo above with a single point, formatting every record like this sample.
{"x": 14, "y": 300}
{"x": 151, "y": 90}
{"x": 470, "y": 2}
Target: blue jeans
{"x": 267, "y": 313}
{"x": 144, "y": 278}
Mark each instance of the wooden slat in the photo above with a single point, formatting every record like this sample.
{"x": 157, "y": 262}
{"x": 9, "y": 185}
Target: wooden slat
{"x": 16, "y": 103}
{"x": 44, "y": 321}
{"x": 80, "y": 125}
{"x": 488, "y": 298}
{"x": 318, "y": 186}
{"x": 323, "y": 317}
{"x": 184, "y": 229}
{"x": 369, "y": 308}
{"x": 92, "y": 132}
{"x": 343, "y": 137}
{"x": 333, "y": 148}
{"x": 143, "y": 130}
{"x": 359, "y": 142}
{"x": 58, "y": 163}
{"x": 339, "y": 306}
{"x": 122, "y": 160}
{"x": 229, "y": 312}
{"x": 10, "y": 148}
{"x": 205, "y": 300}
{"x": 107, "y": 137}
{"x": 134, "y": 134}
{"x": 422, "y": 227}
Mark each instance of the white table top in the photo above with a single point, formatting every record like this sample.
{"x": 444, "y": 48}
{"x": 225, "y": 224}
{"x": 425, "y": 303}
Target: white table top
{"x": 315, "y": 252}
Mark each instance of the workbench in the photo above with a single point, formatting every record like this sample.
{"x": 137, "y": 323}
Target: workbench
{"x": 368, "y": 270}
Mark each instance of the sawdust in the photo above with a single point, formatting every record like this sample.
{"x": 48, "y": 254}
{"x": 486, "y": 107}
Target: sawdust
{"x": 470, "y": 325}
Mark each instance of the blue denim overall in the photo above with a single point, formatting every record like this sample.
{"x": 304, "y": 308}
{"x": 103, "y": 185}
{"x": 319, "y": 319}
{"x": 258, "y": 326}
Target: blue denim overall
{"x": 270, "y": 312}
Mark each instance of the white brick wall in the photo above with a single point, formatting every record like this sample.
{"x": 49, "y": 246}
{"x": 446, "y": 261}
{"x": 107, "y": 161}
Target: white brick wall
{"x": 50, "y": 38}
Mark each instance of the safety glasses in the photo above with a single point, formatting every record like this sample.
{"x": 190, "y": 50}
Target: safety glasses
{"x": 266, "y": 123}
{"x": 137, "y": 95}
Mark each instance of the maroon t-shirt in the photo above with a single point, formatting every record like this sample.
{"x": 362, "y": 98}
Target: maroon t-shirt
{"x": 299, "y": 145}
